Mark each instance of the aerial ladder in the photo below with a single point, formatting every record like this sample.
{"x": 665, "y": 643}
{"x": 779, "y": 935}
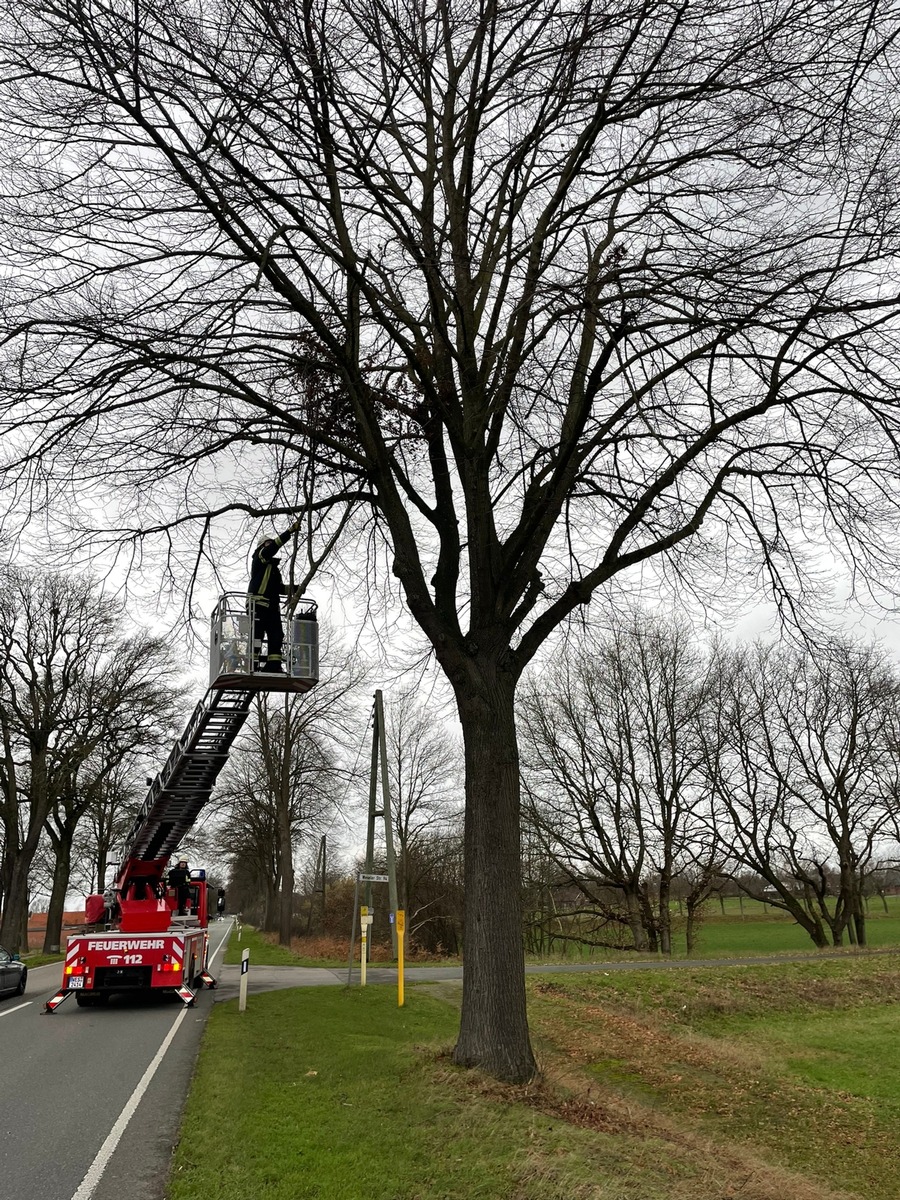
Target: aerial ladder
{"x": 148, "y": 933}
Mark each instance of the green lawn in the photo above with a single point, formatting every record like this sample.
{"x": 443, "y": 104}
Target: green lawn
{"x": 795, "y": 1063}
{"x": 340, "y": 1095}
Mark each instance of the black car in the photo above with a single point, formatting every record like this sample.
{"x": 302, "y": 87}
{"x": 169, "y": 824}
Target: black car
{"x": 13, "y": 973}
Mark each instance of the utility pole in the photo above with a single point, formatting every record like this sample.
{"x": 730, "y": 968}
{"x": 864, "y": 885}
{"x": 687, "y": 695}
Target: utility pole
{"x": 318, "y": 886}
{"x": 379, "y": 752}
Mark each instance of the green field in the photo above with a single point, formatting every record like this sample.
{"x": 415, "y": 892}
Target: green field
{"x": 794, "y": 1063}
{"x": 759, "y": 929}
{"x": 759, "y": 1083}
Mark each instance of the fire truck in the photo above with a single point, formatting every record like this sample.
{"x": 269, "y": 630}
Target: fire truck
{"x": 148, "y": 933}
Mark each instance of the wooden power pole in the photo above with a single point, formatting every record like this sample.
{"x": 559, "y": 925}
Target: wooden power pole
{"x": 379, "y": 759}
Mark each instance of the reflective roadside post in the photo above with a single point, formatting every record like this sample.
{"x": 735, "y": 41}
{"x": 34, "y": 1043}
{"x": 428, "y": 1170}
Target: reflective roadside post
{"x": 365, "y": 920}
{"x": 245, "y": 971}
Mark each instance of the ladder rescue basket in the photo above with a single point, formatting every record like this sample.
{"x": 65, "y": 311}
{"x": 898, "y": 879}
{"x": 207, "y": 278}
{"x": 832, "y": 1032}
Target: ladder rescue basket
{"x": 234, "y": 659}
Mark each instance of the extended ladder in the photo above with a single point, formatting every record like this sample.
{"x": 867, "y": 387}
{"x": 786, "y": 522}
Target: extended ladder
{"x": 183, "y": 786}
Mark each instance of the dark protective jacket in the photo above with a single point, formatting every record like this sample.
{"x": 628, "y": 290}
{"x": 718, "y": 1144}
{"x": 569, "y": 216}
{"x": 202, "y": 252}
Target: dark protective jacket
{"x": 266, "y": 583}
{"x": 179, "y": 877}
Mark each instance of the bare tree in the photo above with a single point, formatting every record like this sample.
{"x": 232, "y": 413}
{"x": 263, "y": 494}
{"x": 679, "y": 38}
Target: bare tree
{"x": 528, "y": 294}
{"x": 53, "y": 631}
{"x": 283, "y": 783}
{"x": 79, "y": 702}
{"x": 124, "y": 707}
{"x": 804, "y": 762}
{"x": 425, "y": 773}
{"x": 614, "y": 764}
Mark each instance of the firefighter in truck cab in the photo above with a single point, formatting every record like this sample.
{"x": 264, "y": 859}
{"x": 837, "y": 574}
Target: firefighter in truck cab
{"x": 179, "y": 879}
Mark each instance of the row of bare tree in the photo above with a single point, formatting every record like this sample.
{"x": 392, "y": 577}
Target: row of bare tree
{"x": 83, "y": 703}
{"x": 653, "y": 764}
{"x": 658, "y": 771}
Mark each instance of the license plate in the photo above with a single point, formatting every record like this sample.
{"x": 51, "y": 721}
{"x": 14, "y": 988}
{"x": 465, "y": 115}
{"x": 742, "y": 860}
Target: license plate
{"x": 76, "y": 981}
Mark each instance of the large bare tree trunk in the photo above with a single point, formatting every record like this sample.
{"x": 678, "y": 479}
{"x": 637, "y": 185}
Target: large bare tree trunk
{"x": 14, "y": 926}
{"x": 493, "y": 1031}
{"x": 62, "y": 847}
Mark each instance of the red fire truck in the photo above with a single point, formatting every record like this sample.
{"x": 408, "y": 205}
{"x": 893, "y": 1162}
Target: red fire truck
{"x": 148, "y": 932}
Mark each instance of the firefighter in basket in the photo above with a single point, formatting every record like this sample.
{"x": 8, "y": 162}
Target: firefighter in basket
{"x": 266, "y": 589}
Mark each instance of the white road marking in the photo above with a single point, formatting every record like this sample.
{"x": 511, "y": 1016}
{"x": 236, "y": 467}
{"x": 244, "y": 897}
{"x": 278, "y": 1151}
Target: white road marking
{"x": 104, "y": 1154}
{"x": 7, "y": 1011}
{"x": 220, "y": 945}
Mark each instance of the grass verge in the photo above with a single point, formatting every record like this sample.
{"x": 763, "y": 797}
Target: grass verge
{"x": 334, "y": 1094}
{"x": 41, "y": 960}
{"x": 263, "y": 951}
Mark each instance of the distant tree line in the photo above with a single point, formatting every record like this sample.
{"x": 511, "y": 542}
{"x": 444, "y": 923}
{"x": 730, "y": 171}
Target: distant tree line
{"x": 84, "y": 705}
{"x": 658, "y": 769}
{"x": 660, "y": 773}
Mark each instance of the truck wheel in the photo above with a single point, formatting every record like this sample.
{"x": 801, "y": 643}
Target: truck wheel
{"x": 84, "y": 1001}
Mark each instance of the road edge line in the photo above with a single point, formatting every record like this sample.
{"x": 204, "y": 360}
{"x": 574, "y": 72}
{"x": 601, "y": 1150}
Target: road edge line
{"x": 222, "y": 942}
{"x": 7, "y": 1011}
{"x": 95, "y": 1171}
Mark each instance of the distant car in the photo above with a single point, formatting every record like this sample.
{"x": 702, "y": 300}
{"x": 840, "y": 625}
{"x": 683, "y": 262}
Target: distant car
{"x": 13, "y": 973}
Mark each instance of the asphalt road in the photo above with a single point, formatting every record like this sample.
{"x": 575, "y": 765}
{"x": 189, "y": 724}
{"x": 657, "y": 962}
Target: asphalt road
{"x": 70, "y": 1082}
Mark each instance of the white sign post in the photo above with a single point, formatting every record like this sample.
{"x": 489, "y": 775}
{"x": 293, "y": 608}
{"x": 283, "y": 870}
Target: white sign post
{"x": 245, "y": 972}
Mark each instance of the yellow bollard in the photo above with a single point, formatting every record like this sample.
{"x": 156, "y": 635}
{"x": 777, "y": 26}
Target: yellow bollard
{"x": 401, "y": 932}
